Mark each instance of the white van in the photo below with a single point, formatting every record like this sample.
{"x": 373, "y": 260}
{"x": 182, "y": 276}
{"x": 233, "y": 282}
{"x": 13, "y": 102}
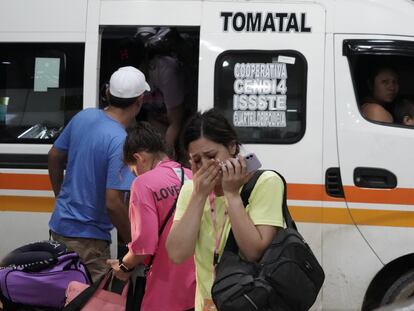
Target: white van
{"x": 290, "y": 75}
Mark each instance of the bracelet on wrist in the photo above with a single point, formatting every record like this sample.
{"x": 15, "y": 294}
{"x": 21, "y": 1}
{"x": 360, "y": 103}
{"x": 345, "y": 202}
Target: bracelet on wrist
{"x": 124, "y": 268}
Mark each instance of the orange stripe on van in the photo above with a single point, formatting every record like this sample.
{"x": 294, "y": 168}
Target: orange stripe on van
{"x": 308, "y": 192}
{"x": 368, "y": 217}
{"x": 382, "y": 196}
{"x": 24, "y": 182}
{"x": 313, "y": 192}
{"x": 26, "y": 204}
{"x": 305, "y": 214}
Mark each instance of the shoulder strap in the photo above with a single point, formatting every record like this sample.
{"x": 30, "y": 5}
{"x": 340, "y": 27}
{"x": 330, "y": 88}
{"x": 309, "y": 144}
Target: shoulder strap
{"x": 290, "y": 223}
{"x": 249, "y": 186}
{"x": 174, "y": 205}
{"x": 247, "y": 189}
{"x": 171, "y": 211}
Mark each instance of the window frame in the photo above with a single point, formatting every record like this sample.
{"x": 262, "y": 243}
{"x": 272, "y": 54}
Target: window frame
{"x": 302, "y": 119}
{"x": 30, "y": 51}
{"x": 352, "y": 48}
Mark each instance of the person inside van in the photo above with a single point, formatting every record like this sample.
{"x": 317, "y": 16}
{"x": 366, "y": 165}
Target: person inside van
{"x": 404, "y": 112}
{"x": 384, "y": 87}
{"x": 164, "y": 105}
{"x": 210, "y": 204}
{"x": 153, "y": 194}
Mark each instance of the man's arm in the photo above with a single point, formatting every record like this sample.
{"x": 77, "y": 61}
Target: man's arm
{"x": 56, "y": 164}
{"x": 118, "y": 213}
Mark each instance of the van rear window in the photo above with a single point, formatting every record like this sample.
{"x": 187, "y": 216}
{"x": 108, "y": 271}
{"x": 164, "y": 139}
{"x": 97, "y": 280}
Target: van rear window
{"x": 263, "y": 93}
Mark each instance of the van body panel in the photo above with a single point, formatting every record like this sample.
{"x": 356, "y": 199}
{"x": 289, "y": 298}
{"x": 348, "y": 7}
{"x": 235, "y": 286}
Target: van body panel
{"x": 282, "y": 157}
{"x": 150, "y": 12}
{"x": 347, "y": 260}
{"x": 354, "y": 236}
{"x": 22, "y": 16}
{"x": 92, "y": 52}
{"x": 362, "y": 143}
{"x": 339, "y": 262}
{"x": 357, "y": 17}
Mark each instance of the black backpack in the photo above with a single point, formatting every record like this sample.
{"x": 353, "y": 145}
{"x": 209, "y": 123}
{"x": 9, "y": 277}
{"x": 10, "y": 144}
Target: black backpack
{"x": 288, "y": 277}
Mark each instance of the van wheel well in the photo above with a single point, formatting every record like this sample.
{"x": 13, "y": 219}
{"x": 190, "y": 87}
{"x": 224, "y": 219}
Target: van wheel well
{"x": 385, "y": 279}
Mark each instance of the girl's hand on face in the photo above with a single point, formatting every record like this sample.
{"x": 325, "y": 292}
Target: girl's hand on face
{"x": 205, "y": 176}
{"x": 234, "y": 174}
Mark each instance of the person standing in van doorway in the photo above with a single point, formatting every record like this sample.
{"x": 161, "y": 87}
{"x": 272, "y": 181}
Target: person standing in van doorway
{"x": 153, "y": 194}
{"x": 164, "y": 105}
{"x": 90, "y": 196}
{"x": 384, "y": 87}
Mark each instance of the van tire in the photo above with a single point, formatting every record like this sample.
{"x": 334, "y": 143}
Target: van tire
{"x": 402, "y": 289}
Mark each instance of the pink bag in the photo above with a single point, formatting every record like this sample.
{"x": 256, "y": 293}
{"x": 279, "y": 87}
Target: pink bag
{"x": 83, "y": 297}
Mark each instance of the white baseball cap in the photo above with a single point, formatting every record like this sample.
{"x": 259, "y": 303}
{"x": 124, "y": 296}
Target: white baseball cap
{"x": 128, "y": 82}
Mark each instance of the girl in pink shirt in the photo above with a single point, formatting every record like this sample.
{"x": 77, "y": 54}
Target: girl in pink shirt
{"x": 169, "y": 286}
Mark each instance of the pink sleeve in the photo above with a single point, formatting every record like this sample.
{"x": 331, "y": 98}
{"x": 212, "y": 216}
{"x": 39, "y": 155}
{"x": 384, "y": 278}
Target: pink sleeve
{"x": 144, "y": 220}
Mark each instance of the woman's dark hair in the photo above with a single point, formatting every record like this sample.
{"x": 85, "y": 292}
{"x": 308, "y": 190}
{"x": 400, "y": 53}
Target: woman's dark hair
{"x": 212, "y": 125}
{"x": 142, "y": 137}
{"x": 374, "y": 71}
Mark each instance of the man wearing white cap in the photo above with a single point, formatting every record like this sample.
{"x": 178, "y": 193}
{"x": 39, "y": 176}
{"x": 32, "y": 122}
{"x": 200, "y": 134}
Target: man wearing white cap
{"x": 90, "y": 197}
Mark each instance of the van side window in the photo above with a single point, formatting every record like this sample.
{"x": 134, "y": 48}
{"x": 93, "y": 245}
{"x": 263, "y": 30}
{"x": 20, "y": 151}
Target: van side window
{"x": 383, "y": 77}
{"x": 41, "y": 88}
{"x": 263, "y": 93}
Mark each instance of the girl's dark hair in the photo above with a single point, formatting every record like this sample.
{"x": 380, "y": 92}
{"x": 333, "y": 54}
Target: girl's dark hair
{"x": 403, "y": 109}
{"x": 212, "y": 125}
{"x": 142, "y": 137}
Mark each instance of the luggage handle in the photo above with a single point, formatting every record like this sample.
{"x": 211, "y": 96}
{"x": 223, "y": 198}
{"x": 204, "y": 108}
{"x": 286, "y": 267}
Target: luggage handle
{"x": 80, "y": 301}
{"x": 108, "y": 278}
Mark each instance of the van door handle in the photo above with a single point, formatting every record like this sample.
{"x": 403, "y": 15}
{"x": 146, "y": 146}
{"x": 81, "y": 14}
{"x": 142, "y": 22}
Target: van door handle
{"x": 369, "y": 177}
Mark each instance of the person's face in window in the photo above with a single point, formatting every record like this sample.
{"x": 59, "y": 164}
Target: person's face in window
{"x": 204, "y": 149}
{"x": 386, "y": 86}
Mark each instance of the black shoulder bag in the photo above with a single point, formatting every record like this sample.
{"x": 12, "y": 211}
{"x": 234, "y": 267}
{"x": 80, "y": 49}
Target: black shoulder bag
{"x": 288, "y": 276}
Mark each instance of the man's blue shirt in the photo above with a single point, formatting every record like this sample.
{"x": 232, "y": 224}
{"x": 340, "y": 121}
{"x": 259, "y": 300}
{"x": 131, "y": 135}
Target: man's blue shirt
{"x": 94, "y": 145}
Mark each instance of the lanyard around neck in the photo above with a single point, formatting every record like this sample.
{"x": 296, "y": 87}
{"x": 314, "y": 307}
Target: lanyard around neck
{"x": 218, "y": 232}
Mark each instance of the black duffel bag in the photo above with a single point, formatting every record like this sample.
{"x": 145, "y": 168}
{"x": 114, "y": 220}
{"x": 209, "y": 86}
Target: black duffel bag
{"x": 288, "y": 277}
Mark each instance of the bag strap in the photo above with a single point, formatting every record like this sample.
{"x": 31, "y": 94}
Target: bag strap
{"x": 290, "y": 223}
{"x": 245, "y": 193}
{"x": 171, "y": 211}
{"x": 80, "y": 301}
